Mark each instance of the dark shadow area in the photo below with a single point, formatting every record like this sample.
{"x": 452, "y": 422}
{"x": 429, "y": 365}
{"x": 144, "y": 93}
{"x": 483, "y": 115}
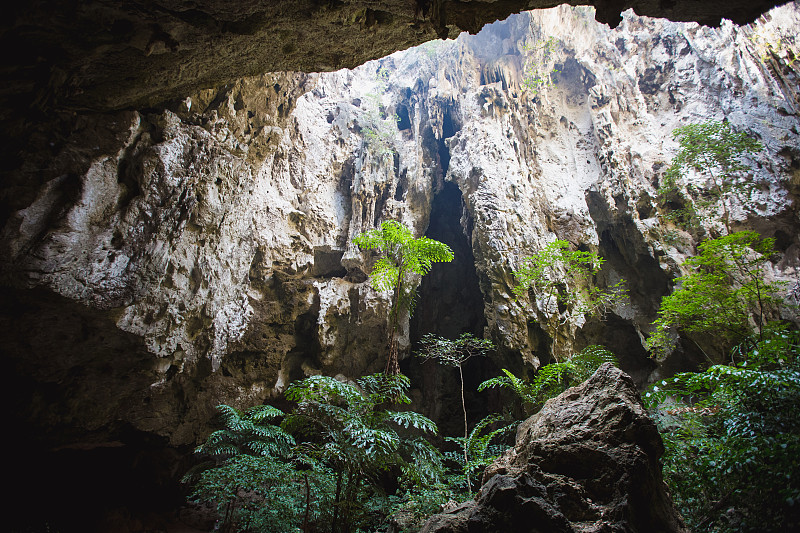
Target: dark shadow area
{"x": 450, "y": 303}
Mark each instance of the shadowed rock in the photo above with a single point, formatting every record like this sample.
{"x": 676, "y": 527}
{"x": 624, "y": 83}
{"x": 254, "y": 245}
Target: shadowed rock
{"x": 587, "y": 462}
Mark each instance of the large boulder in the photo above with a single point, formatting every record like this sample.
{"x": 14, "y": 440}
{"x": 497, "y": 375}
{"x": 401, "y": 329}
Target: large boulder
{"x": 587, "y": 462}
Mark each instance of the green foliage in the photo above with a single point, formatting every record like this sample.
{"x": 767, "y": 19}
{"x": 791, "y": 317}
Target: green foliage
{"x": 455, "y": 353}
{"x": 419, "y": 502}
{"x": 255, "y": 464}
{"x": 402, "y": 259}
{"x": 490, "y": 437}
{"x": 250, "y": 432}
{"x": 349, "y": 438}
{"x": 551, "y": 380}
{"x": 725, "y": 286}
{"x": 561, "y": 278}
{"x": 732, "y": 438}
{"x": 536, "y": 73}
{"x": 714, "y": 150}
{"x": 350, "y": 429}
{"x": 265, "y": 494}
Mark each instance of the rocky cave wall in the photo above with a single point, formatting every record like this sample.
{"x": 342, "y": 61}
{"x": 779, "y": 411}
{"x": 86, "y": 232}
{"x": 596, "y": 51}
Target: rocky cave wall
{"x": 214, "y": 235}
{"x": 107, "y": 55}
{"x": 160, "y": 261}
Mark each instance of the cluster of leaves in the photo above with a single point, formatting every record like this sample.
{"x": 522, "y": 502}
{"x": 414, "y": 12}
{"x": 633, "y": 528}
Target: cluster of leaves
{"x": 732, "y": 438}
{"x": 322, "y": 468}
{"x": 253, "y": 479}
{"x": 403, "y": 259}
{"x": 378, "y": 128}
{"x": 725, "y": 286}
{"x": 537, "y": 55}
{"x": 562, "y": 279}
{"x": 490, "y": 437}
{"x": 714, "y": 150}
{"x": 553, "y": 379}
{"x": 265, "y": 494}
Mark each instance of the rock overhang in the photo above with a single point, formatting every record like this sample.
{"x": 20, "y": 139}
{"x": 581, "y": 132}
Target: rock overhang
{"x": 103, "y": 55}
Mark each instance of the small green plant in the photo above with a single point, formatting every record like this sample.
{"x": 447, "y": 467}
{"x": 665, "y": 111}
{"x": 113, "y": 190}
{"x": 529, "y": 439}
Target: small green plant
{"x": 714, "y": 150}
{"x": 553, "y": 379}
{"x": 732, "y": 438}
{"x": 561, "y": 280}
{"x": 403, "y": 259}
{"x": 455, "y": 353}
{"x": 536, "y": 74}
{"x": 724, "y": 288}
{"x": 377, "y": 128}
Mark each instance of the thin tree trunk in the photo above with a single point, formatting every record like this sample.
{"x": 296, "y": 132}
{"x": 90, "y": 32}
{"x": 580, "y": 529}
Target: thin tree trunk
{"x": 466, "y": 432}
{"x": 392, "y": 361}
{"x": 308, "y": 503}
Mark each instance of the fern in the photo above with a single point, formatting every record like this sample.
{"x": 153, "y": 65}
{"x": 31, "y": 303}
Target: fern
{"x": 359, "y": 437}
{"x": 552, "y": 379}
{"x": 249, "y": 432}
{"x": 403, "y": 259}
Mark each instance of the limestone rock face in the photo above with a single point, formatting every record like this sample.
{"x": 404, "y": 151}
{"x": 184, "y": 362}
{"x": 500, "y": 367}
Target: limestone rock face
{"x": 587, "y": 462}
{"x": 213, "y": 236}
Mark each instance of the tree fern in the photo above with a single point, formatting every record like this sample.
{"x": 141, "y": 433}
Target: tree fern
{"x": 359, "y": 436}
{"x": 249, "y": 432}
{"x": 402, "y": 259}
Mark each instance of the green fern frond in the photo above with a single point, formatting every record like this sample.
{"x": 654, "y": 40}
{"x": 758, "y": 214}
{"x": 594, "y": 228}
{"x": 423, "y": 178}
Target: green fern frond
{"x": 410, "y": 419}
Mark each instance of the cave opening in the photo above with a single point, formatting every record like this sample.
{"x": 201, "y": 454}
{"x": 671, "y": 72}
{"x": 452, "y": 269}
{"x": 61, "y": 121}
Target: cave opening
{"x": 449, "y": 128}
{"x": 450, "y": 303}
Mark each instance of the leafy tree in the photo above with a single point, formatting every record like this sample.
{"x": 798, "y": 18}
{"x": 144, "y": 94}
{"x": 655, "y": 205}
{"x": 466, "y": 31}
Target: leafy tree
{"x": 355, "y": 435}
{"x": 561, "y": 279}
{"x": 455, "y": 353}
{"x": 402, "y": 259}
{"x": 715, "y": 150}
{"x": 732, "y": 438}
{"x": 725, "y": 286}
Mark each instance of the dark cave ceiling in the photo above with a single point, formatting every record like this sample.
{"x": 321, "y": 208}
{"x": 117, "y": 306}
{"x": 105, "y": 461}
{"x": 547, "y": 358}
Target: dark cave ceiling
{"x": 104, "y": 55}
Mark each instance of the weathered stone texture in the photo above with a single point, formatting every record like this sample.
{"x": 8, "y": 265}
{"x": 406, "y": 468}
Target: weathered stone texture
{"x": 217, "y": 230}
{"x": 107, "y": 55}
{"x": 587, "y": 462}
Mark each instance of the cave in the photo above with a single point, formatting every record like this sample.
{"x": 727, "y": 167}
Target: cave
{"x": 450, "y": 303}
{"x": 181, "y": 186}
